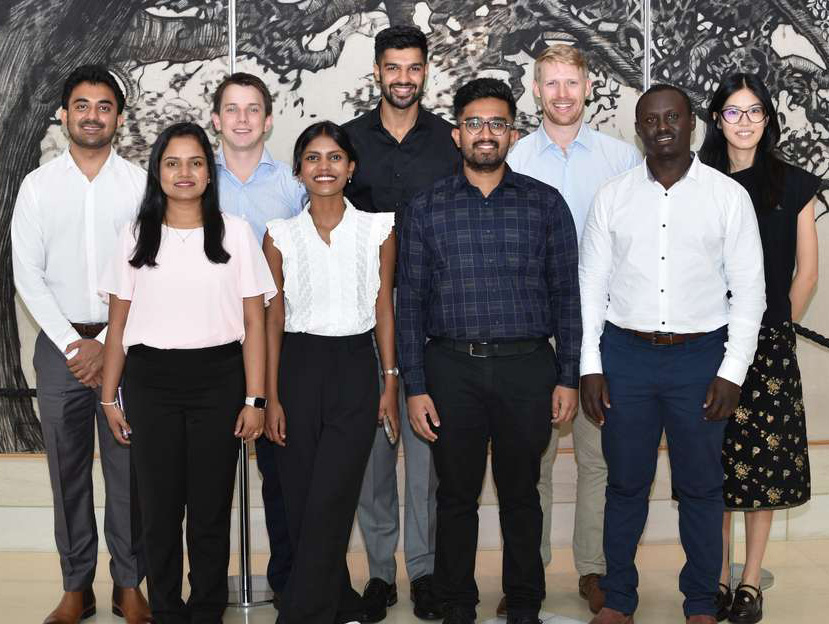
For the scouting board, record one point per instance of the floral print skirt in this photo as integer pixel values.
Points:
(765, 454)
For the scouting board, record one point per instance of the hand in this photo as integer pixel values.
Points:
(721, 400)
(275, 429)
(88, 362)
(249, 423)
(565, 404)
(594, 396)
(421, 411)
(388, 409)
(117, 424)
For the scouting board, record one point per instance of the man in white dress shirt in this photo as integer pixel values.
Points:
(64, 229)
(570, 156)
(665, 346)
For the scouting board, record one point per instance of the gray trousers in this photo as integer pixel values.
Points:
(68, 413)
(588, 532)
(378, 512)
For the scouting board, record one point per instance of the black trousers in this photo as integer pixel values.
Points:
(182, 405)
(505, 401)
(329, 389)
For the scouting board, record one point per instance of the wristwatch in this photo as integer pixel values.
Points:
(392, 371)
(257, 402)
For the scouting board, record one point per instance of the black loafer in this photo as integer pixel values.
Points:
(426, 607)
(457, 615)
(747, 607)
(377, 597)
(523, 619)
(724, 600)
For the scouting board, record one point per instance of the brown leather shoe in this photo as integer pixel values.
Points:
(130, 604)
(501, 611)
(73, 607)
(611, 616)
(589, 590)
(701, 619)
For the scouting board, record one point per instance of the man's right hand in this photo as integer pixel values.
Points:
(88, 362)
(421, 411)
(594, 396)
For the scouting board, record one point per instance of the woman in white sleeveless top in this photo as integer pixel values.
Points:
(334, 268)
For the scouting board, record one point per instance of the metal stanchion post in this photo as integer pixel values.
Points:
(766, 577)
(245, 589)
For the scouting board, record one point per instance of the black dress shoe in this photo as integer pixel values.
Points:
(377, 596)
(457, 615)
(747, 607)
(724, 600)
(426, 607)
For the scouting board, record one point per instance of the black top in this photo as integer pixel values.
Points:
(778, 233)
(389, 173)
(497, 268)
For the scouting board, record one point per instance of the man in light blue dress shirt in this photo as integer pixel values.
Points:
(254, 186)
(567, 154)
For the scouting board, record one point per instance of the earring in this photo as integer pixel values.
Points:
(349, 179)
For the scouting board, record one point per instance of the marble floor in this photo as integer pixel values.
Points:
(30, 586)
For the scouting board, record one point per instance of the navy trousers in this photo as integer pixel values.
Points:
(279, 563)
(654, 388)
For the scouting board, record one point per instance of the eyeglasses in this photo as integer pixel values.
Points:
(474, 125)
(734, 115)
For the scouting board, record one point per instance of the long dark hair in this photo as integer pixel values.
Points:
(714, 150)
(323, 128)
(154, 205)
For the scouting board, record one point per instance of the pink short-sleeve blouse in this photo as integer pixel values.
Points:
(186, 301)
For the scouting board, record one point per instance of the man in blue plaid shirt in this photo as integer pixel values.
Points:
(487, 273)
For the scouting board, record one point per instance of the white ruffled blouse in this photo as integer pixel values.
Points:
(331, 290)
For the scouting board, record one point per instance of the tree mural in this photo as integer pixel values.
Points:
(186, 43)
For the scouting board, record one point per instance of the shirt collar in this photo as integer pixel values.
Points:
(692, 172)
(69, 162)
(377, 121)
(264, 159)
(511, 178)
(583, 138)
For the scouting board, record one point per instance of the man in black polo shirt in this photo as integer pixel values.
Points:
(403, 149)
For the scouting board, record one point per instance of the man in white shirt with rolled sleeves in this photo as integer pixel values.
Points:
(570, 156)
(671, 276)
(64, 229)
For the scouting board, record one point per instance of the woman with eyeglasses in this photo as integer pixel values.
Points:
(765, 454)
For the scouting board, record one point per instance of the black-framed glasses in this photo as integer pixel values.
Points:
(734, 115)
(474, 125)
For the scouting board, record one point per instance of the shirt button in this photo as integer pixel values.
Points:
(666, 194)
(396, 175)
(661, 290)
(663, 257)
(663, 322)
(663, 225)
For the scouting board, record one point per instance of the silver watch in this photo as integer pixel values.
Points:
(257, 402)
(392, 371)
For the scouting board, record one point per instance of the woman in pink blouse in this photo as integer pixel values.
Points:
(335, 267)
(187, 291)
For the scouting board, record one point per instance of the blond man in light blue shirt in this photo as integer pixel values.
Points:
(569, 155)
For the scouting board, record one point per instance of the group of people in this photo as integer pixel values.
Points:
(229, 296)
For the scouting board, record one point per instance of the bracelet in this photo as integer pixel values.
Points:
(109, 402)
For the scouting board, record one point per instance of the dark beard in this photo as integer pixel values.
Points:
(414, 98)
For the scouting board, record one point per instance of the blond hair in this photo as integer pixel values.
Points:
(561, 53)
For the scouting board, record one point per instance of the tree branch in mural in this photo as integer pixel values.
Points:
(697, 43)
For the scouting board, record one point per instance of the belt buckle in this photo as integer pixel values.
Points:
(656, 335)
(471, 350)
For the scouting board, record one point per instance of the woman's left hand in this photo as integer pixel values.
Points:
(249, 423)
(388, 409)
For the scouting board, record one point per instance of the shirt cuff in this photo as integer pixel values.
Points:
(414, 381)
(102, 337)
(733, 370)
(569, 375)
(591, 364)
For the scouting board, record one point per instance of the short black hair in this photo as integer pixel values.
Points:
(243, 80)
(664, 87)
(322, 128)
(399, 38)
(481, 88)
(93, 74)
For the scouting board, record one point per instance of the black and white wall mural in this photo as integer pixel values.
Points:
(316, 56)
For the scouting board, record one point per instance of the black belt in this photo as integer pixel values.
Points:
(490, 349)
(89, 330)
